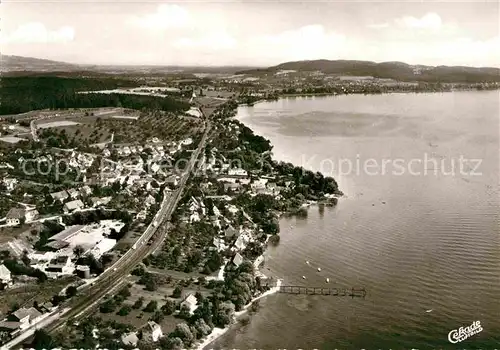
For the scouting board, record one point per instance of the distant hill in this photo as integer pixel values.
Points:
(19, 65)
(393, 70)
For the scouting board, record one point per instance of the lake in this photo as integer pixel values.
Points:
(418, 227)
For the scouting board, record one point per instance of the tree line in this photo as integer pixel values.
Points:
(23, 94)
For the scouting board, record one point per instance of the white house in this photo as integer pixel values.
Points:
(219, 244)
(259, 184)
(187, 141)
(26, 317)
(237, 260)
(191, 302)
(150, 200)
(241, 242)
(130, 339)
(194, 217)
(73, 205)
(152, 332)
(237, 172)
(73, 193)
(171, 180)
(60, 196)
(216, 211)
(5, 275)
(30, 215)
(10, 184)
(85, 190)
(60, 266)
(141, 215)
(102, 247)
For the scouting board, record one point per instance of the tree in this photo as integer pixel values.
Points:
(185, 312)
(177, 293)
(151, 285)
(158, 316)
(167, 343)
(169, 307)
(78, 250)
(139, 271)
(58, 299)
(43, 340)
(71, 291)
(124, 310)
(199, 298)
(183, 332)
(224, 314)
(125, 292)
(138, 303)
(202, 329)
(152, 306)
(108, 306)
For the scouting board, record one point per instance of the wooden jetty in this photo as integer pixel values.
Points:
(339, 292)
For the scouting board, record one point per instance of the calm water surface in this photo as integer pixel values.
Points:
(419, 240)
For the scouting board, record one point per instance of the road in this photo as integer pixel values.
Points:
(89, 296)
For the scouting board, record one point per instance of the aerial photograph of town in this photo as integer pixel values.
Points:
(249, 175)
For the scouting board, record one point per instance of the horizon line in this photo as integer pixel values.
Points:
(233, 65)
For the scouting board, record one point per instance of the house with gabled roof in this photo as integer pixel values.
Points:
(73, 205)
(14, 216)
(191, 302)
(5, 275)
(60, 196)
(237, 259)
(26, 317)
(73, 193)
(152, 332)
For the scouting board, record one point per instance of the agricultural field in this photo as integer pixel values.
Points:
(135, 303)
(165, 127)
(86, 131)
(91, 130)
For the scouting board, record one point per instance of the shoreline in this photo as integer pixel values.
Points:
(219, 332)
(216, 332)
(335, 94)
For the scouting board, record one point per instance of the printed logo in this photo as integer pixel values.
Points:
(459, 335)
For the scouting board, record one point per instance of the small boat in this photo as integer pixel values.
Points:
(327, 280)
(319, 269)
(303, 277)
(430, 310)
(307, 262)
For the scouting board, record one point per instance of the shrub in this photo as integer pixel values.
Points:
(151, 307)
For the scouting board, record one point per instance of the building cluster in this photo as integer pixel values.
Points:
(230, 182)
(64, 248)
(24, 318)
(139, 170)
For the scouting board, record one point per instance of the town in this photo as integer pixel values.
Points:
(85, 189)
(135, 210)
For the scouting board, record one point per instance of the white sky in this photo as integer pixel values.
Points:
(255, 33)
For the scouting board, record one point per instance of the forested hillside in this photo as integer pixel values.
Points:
(26, 93)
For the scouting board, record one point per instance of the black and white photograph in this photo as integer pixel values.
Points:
(249, 174)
